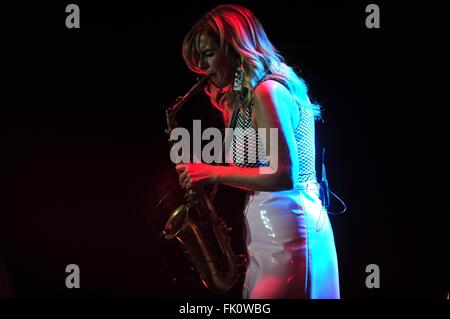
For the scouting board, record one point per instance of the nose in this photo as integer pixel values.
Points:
(202, 64)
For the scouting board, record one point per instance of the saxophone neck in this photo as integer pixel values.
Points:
(172, 110)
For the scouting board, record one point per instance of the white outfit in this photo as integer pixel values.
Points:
(290, 241)
(290, 246)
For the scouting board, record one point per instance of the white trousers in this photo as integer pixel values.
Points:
(290, 246)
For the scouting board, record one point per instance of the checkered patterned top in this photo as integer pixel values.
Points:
(248, 151)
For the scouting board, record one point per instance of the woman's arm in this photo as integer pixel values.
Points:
(272, 109)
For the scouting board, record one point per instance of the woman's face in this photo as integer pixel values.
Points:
(213, 61)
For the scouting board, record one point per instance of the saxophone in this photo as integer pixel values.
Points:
(197, 226)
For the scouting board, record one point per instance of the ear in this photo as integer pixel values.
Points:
(235, 57)
(240, 60)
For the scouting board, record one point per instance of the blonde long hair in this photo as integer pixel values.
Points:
(237, 30)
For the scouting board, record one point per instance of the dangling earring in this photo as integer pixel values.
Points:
(238, 78)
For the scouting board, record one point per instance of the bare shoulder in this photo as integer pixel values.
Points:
(271, 89)
(273, 100)
(272, 96)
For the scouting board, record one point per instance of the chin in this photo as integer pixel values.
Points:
(217, 86)
(221, 86)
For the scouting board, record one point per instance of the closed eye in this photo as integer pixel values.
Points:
(208, 53)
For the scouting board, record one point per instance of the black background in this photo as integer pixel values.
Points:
(84, 158)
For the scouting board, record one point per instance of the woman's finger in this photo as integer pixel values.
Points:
(182, 178)
(180, 168)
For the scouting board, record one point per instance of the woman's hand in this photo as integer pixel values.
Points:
(195, 174)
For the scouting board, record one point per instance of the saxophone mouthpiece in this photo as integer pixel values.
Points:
(197, 87)
(201, 78)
